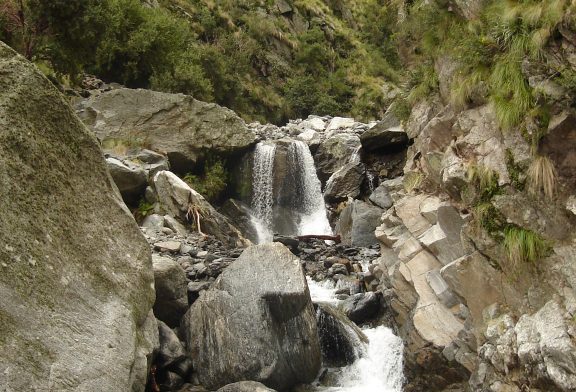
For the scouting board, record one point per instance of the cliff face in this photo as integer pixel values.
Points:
(480, 240)
(76, 275)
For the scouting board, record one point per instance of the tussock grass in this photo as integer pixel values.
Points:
(524, 246)
(542, 177)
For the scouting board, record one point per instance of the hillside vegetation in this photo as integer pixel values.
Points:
(272, 60)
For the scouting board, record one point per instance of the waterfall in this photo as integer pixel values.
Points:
(262, 192)
(313, 219)
(380, 369)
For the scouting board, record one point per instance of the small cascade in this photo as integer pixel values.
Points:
(262, 195)
(310, 202)
(371, 177)
(380, 366)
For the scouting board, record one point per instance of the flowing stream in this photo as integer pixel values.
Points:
(380, 368)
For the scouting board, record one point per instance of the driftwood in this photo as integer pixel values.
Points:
(335, 238)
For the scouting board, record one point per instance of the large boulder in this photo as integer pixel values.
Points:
(358, 222)
(171, 290)
(76, 275)
(345, 182)
(178, 200)
(335, 152)
(245, 386)
(131, 180)
(179, 125)
(256, 323)
(386, 135)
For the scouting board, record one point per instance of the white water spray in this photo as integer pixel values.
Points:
(262, 192)
(314, 218)
(380, 369)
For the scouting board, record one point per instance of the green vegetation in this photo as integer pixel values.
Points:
(212, 182)
(244, 55)
(524, 246)
(485, 180)
(145, 208)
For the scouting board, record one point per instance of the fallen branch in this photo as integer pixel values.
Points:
(335, 238)
(193, 213)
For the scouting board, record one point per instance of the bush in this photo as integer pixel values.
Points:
(212, 182)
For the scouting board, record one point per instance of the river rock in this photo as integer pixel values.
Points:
(171, 290)
(177, 124)
(341, 340)
(358, 222)
(172, 361)
(381, 197)
(130, 179)
(333, 153)
(361, 307)
(76, 276)
(176, 197)
(345, 183)
(245, 386)
(256, 322)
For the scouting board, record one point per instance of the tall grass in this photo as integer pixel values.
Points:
(542, 177)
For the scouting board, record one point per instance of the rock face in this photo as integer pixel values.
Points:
(345, 182)
(176, 124)
(76, 274)
(334, 153)
(256, 323)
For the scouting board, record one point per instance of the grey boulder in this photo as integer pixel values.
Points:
(381, 197)
(345, 182)
(76, 276)
(358, 222)
(256, 323)
(386, 135)
(361, 307)
(245, 386)
(178, 200)
(130, 179)
(184, 128)
(171, 290)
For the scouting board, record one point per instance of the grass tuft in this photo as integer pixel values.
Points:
(542, 177)
(524, 246)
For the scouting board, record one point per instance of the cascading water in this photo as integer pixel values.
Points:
(313, 219)
(286, 192)
(380, 368)
(262, 193)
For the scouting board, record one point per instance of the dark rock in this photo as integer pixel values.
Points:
(384, 136)
(260, 313)
(291, 242)
(361, 307)
(340, 339)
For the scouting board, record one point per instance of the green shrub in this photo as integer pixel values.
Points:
(212, 182)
